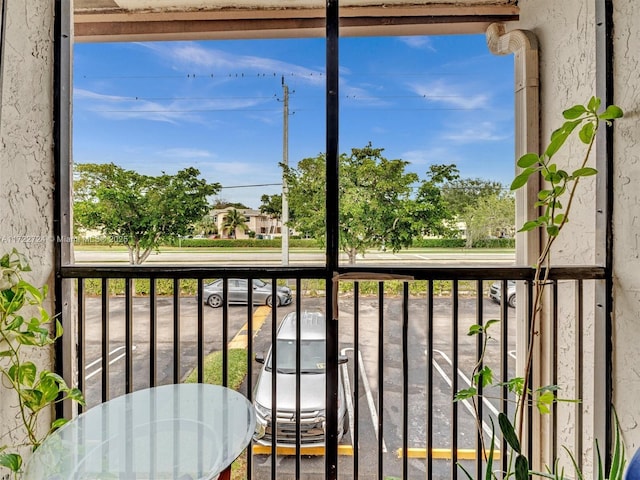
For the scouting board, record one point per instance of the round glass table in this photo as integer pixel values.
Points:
(183, 431)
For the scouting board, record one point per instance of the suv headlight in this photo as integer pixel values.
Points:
(262, 412)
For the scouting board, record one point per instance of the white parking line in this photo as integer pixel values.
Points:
(99, 360)
(347, 389)
(466, 403)
(369, 395)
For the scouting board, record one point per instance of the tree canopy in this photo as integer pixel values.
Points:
(490, 216)
(234, 220)
(378, 208)
(461, 193)
(139, 211)
(271, 205)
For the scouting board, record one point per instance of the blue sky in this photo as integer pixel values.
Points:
(217, 105)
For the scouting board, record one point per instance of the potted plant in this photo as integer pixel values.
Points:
(555, 201)
(25, 327)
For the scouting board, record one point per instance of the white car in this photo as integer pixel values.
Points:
(495, 292)
(312, 385)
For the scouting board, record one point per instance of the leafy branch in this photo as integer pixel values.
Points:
(560, 183)
(25, 325)
(554, 202)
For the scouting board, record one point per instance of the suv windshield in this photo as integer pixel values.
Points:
(312, 356)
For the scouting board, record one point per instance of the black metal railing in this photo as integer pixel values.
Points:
(405, 340)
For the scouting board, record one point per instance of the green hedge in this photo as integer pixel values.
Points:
(439, 243)
(244, 243)
(495, 243)
(306, 243)
(461, 243)
(311, 287)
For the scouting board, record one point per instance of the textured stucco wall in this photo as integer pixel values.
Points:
(566, 32)
(627, 221)
(26, 158)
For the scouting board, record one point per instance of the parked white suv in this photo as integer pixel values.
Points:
(312, 385)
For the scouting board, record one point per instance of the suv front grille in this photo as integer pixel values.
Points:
(311, 428)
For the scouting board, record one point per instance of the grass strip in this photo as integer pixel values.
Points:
(236, 372)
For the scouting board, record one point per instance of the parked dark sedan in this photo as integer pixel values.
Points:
(237, 290)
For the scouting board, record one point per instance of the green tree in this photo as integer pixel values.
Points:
(377, 205)
(490, 216)
(430, 211)
(234, 220)
(462, 193)
(271, 205)
(205, 226)
(221, 203)
(139, 211)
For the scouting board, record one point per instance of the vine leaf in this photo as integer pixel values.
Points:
(508, 432)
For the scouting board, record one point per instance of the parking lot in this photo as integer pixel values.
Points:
(362, 366)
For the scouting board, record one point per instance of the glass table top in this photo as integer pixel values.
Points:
(183, 431)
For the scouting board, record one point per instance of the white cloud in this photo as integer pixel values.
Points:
(186, 153)
(454, 96)
(218, 62)
(423, 43)
(118, 107)
(481, 132)
(429, 156)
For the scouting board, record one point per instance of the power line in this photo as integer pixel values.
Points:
(255, 185)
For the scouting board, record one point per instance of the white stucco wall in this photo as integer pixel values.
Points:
(626, 272)
(566, 33)
(26, 154)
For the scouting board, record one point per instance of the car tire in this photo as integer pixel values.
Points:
(512, 301)
(269, 301)
(214, 301)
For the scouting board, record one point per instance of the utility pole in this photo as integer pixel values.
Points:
(285, 189)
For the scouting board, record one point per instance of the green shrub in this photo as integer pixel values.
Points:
(439, 242)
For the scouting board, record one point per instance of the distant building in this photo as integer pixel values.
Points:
(264, 226)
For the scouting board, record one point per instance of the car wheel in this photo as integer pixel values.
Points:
(269, 301)
(214, 301)
(512, 301)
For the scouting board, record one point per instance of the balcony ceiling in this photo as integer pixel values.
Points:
(129, 20)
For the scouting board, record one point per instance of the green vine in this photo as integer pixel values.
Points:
(560, 185)
(25, 325)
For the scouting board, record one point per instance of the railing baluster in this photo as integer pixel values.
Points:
(250, 355)
(405, 379)
(176, 330)
(529, 417)
(554, 366)
(105, 340)
(454, 379)
(200, 327)
(128, 335)
(479, 343)
(274, 389)
(504, 362)
(225, 332)
(82, 341)
(579, 346)
(355, 432)
(153, 333)
(380, 379)
(298, 393)
(429, 379)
